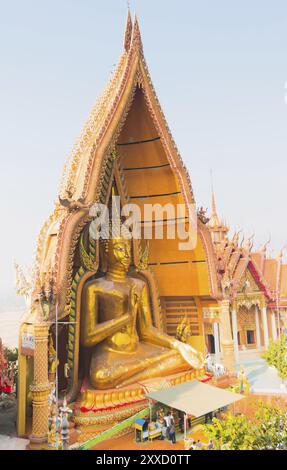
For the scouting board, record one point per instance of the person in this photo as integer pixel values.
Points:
(166, 424)
(192, 445)
(145, 424)
(160, 414)
(172, 433)
(170, 418)
(242, 380)
(199, 445)
(169, 421)
(210, 445)
(138, 435)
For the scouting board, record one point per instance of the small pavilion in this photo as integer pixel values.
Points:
(195, 399)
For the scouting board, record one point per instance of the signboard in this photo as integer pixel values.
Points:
(210, 313)
(27, 344)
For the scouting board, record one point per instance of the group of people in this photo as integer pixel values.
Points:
(166, 426)
(198, 445)
(166, 423)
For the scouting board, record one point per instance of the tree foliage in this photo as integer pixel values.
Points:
(276, 355)
(268, 431)
(12, 354)
(229, 433)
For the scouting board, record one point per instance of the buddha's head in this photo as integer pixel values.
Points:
(119, 253)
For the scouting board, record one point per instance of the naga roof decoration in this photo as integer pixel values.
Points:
(234, 259)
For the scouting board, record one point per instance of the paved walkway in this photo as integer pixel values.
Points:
(262, 378)
(8, 419)
(12, 443)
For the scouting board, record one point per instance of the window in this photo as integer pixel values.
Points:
(250, 337)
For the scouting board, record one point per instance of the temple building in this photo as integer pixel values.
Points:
(255, 287)
(109, 320)
(68, 336)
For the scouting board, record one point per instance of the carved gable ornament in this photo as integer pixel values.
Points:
(247, 284)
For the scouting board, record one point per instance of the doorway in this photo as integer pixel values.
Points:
(211, 344)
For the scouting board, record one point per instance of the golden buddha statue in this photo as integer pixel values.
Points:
(117, 325)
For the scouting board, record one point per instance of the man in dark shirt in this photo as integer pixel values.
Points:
(172, 433)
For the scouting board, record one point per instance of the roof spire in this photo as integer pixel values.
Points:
(218, 229)
(137, 40)
(214, 220)
(213, 196)
(128, 31)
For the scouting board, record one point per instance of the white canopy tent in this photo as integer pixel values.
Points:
(195, 398)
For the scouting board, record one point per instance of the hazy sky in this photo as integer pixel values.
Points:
(219, 69)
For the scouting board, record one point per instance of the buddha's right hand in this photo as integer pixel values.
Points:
(190, 355)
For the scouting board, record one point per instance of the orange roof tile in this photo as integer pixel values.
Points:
(270, 273)
(283, 283)
(258, 259)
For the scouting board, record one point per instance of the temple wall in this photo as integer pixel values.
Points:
(181, 276)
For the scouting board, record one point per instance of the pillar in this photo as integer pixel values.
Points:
(21, 388)
(273, 325)
(235, 333)
(279, 323)
(257, 326)
(216, 341)
(265, 327)
(41, 387)
(227, 345)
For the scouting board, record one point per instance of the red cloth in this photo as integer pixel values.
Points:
(6, 388)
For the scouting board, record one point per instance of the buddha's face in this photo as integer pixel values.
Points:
(119, 253)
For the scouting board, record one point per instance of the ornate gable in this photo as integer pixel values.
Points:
(87, 175)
